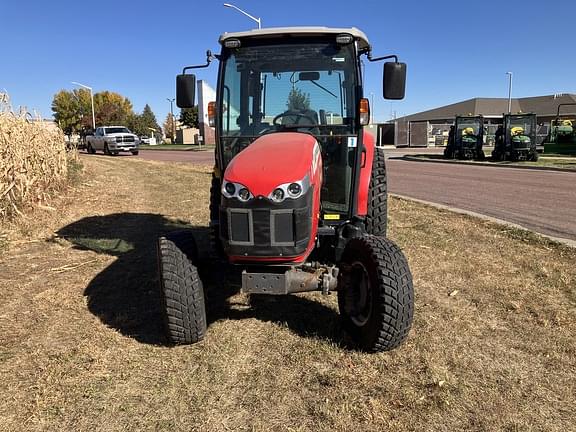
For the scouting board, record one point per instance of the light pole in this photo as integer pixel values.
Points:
(172, 118)
(371, 108)
(245, 13)
(509, 91)
(91, 100)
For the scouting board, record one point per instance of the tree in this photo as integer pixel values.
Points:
(298, 100)
(72, 110)
(112, 109)
(189, 117)
(141, 124)
(169, 126)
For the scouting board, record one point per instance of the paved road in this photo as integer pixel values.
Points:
(544, 201)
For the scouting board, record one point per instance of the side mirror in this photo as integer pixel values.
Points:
(394, 80)
(185, 90)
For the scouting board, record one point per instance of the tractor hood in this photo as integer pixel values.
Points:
(275, 159)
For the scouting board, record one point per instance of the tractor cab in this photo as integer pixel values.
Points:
(466, 138)
(298, 199)
(516, 138)
(562, 136)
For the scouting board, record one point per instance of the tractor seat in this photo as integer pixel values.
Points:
(295, 117)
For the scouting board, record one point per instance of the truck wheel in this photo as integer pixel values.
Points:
(106, 150)
(90, 149)
(135, 153)
(377, 216)
(375, 293)
(534, 157)
(181, 289)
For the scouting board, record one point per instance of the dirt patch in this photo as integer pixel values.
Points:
(82, 347)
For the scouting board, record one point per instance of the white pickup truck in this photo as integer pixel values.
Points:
(112, 140)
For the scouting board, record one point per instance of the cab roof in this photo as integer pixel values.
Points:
(269, 33)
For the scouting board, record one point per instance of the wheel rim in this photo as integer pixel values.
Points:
(359, 298)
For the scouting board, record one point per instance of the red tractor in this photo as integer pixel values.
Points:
(298, 199)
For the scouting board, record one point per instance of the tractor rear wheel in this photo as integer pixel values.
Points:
(377, 216)
(375, 293)
(181, 288)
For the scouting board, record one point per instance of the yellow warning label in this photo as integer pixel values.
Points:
(331, 217)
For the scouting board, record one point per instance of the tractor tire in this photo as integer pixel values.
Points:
(181, 289)
(377, 216)
(215, 242)
(375, 293)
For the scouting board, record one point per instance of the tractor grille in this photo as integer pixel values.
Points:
(265, 229)
(128, 138)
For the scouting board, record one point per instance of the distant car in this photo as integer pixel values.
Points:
(145, 140)
(112, 140)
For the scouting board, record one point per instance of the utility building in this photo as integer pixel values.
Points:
(430, 128)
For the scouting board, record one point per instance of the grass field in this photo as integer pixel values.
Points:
(82, 347)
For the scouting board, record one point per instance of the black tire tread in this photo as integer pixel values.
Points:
(377, 215)
(395, 296)
(182, 290)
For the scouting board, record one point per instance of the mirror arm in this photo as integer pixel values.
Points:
(370, 58)
(209, 58)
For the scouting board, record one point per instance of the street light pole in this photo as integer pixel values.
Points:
(91, 100)
(258, 20)
(509, 91)
(172, 117)
(371, 108)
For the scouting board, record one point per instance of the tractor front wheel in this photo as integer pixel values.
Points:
(181, 289)
(375, 293)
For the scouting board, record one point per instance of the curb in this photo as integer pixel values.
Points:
(564, 241)
(457, 162)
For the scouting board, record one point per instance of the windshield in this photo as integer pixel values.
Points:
(307, 87)
(113, 130)
(521, 125)
(468, 127)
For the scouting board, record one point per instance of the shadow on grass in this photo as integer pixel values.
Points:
(126, 295)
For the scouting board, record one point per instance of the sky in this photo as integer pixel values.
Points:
(455, 50)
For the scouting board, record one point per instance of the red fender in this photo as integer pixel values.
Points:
(365, 173)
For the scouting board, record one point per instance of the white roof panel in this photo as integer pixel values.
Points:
(298, 31)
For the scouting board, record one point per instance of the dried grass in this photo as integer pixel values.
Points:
(33, 162)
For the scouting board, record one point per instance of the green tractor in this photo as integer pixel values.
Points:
(466, 138)
(516, 139)
(562, 136)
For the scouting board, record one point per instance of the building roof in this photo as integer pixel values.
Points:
(298, 31)
(543, 106)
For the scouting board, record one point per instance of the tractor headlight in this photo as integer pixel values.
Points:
(230, 189)
(235, 190)
(292, 190)
(277, 195)
(244, 194)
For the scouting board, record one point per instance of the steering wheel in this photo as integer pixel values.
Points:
(296, 114)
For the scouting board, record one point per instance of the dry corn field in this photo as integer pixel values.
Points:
(82, 346)
(33, 163)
